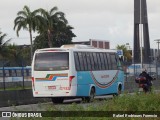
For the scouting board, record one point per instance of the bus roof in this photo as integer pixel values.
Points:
(76, 47)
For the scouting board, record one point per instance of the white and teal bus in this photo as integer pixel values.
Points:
(76, 71)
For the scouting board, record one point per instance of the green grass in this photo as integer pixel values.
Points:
(126, 102)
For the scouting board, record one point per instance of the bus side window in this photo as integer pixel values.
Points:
(113, 61)
(81, 61)
(85, 61)
(77, 65)
(99, 61)
(89, 62)
(95, 61)
(118, 62)
(102, 61)
(106, 61)
(92, 61)
(109, 61)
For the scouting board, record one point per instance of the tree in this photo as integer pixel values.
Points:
(54, 30)
(63, 34)
(3, 45)
(126, 52)
(14, 56)
(41, 41)
(50, 21)
(27, 20)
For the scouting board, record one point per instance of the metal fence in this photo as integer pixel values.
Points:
(14, 77)
(131, 86)
(20, 77)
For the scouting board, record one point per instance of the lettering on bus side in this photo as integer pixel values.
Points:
(105, 76)
(51, 87)
(65, 88)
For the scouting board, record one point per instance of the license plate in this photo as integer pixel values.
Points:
(51, 87)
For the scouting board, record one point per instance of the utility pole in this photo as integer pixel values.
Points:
(141, 34)
(157, 57)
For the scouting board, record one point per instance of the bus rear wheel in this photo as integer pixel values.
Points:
(57, 100)
(91, 96)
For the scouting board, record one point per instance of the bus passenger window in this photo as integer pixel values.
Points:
(99, 61)
(92, 61)
(106, 61)
(81, 61)
(77, 65)
(88, 62)
(85, 61)
(102, 61)
(118, 62)
(109, 61)
(113, 61)
(95, 61)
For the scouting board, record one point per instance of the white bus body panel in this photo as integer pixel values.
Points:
(54, 83)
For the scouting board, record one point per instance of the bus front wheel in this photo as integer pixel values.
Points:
(119, 91)
(57, 100)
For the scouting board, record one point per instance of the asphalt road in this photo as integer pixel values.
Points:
(44, 106)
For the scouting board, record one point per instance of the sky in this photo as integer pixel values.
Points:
(110, 20)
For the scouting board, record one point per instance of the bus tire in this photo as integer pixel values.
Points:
(119, 90)
(57, 99)
(91, 96)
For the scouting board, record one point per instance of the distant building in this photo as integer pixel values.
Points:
(104, 44)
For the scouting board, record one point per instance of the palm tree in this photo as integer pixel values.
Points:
(27, 20)
(3, 49)
(50, 21)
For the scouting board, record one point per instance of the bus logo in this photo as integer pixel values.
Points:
(52, 77)
(6, 114)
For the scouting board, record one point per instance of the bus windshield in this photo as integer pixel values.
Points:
(51, 61)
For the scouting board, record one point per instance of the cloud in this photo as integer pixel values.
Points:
(92, 19)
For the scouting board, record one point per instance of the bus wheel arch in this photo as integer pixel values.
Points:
(119, 89)
(92, 93)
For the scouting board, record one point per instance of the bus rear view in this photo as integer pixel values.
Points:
(50, 74)
(77, 71)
